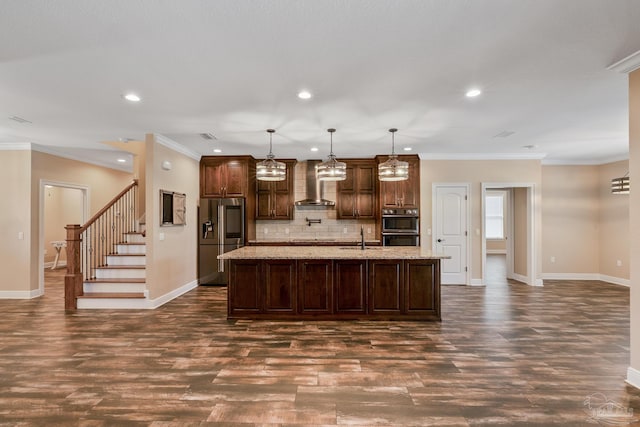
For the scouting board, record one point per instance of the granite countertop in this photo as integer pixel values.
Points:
(331, 252)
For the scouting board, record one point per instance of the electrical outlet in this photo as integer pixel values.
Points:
(428, 232)
(344, 230)
(286, 230)
(160, 236)
(266, 230)
(20, 235)
(619, 263)
(369, 230)
(553, 259)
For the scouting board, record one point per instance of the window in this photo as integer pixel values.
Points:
(494, 216)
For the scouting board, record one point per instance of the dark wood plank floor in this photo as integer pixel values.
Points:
(504, 354)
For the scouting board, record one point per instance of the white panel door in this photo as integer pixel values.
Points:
(451, 232)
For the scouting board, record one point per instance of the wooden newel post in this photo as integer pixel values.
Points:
(73, 278)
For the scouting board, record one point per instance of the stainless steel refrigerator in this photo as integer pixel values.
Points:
(221, 230)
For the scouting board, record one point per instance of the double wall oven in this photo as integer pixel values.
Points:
(400, 227)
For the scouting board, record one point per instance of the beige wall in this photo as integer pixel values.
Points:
(570, 214)
(520, 235)
(634, 214)
(172, 262)
(477, 172)
(15, 217)
(614, 222)
(62, 206)
(25, 170)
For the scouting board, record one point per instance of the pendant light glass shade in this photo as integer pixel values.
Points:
(331, 169)
(270, 169)
(393, 169)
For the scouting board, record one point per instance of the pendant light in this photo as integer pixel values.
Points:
(393, 169)
(270, 169)
(331, 169)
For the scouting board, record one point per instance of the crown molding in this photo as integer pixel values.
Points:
(556, 162)
(482, 156)
(15, 146)
(626, 65)
(173, 145)
(54, 152)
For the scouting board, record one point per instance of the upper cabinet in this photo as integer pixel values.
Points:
(275, 198)
(356, 195)
(222, 176)
(402, 193)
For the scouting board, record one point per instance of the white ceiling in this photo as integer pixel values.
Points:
(233, 68)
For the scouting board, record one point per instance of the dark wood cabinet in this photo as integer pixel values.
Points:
(356, 195)
(245, 296)
(422, 281)
(386, 287)
(274, 199)
(350, 286)
(280, 286)
(315, 288)
(222, 176)
(402, 193)
(393, 289)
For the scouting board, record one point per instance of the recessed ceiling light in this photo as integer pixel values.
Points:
(217, 150)
(529, 147)
(122, 161)
(472, 93)
(304, 94)
(407, 148)
(314, 149)
(131, 97)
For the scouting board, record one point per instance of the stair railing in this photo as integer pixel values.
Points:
(88, 245)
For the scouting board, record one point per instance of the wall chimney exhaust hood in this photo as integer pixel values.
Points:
(315, 188)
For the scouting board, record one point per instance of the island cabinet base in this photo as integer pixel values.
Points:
(341, 289)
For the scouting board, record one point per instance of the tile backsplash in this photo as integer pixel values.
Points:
(329, 228)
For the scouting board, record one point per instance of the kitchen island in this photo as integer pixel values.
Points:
(333, 283)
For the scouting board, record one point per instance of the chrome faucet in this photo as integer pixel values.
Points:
(362, 245)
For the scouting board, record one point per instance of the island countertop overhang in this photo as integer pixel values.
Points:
(331, 252)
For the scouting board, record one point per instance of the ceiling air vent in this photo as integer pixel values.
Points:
(504, 134)
(19, 119)
(208, 136)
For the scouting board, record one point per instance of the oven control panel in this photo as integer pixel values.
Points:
(400, 212)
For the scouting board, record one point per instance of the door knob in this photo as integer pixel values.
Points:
(440, 240)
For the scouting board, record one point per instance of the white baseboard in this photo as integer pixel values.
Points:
(520, 278)
(496, 251)
(155, 303)
(476, 282)
(633, 377)
(135, 303)
(587, 276)
(615, 280)
(34, 293)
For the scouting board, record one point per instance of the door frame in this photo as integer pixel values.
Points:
(467, 214)
(530, 278)
(41, 200)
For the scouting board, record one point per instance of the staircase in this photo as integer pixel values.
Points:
(106, 257)
(120, 282)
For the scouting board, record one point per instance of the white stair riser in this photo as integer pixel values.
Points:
(114, 303)
(126, 260)
(114, 287)
(134, 238)
(120, 273)
(131, 249)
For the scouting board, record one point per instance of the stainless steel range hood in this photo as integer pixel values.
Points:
(315, 188)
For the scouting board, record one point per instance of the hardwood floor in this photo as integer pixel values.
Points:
(504, 354)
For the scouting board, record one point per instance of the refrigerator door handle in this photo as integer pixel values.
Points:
(221, 232)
